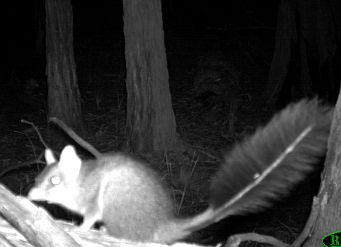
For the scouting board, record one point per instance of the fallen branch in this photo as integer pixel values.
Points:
(26, 225)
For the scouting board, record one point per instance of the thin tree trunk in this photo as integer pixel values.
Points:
(285, 36)
(63, 94)
(150, 119)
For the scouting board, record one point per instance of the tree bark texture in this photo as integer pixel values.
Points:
(328, 216)
(285, 36)
(63, 93)
(150, 119)
(305, 44)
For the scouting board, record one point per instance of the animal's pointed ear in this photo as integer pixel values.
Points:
(69, 162)
(49, 157)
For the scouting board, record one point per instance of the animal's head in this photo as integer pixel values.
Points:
(57, 183)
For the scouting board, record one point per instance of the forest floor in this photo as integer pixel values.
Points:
(200, 111)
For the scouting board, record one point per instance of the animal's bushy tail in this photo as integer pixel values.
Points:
(267, 164)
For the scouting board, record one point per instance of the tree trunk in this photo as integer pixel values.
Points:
(285, 36)
(305, 42)
(329, 198)
(317, 30)
(150, 119)
(63, 93)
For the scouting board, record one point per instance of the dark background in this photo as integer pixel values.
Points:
(242, 32)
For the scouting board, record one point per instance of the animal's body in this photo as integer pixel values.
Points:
(132, 202)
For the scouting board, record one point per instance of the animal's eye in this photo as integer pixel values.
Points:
(55, 180)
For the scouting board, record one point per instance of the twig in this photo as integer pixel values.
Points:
(36, 129)
(81, 142)
(235, 240)
(187, 183)
(29, 139)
